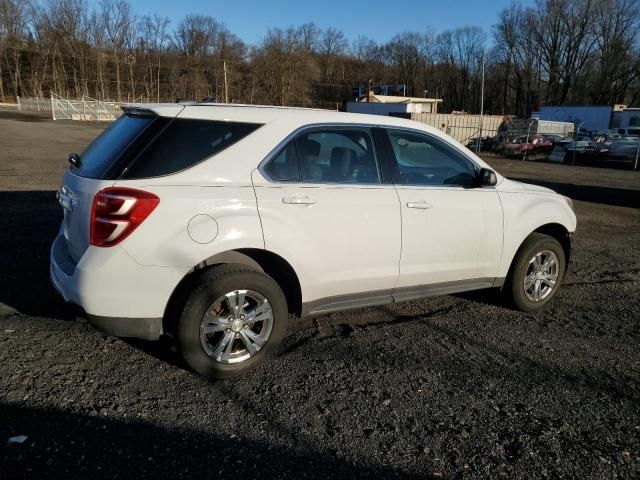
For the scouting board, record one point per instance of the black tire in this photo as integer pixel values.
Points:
(514, 285)
(211, 285)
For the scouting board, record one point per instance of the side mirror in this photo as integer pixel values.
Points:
(486, 178)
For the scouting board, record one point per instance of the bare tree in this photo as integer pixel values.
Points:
(616, 29)
(15, 18)
(332, 45)
(460, 53)
(153, 31)
(118, 21)
(280, 68)
(403, 52)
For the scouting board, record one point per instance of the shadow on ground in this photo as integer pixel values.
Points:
(29, 221)
(61, 444)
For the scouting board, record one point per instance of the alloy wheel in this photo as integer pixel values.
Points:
(236, 326)
(541, 276)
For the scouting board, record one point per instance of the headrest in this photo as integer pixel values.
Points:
(308, 147)
(342, 156)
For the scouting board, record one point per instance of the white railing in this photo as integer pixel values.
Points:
(34, 104)
(87, 109)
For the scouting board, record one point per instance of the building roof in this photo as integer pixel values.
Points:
(394, 99)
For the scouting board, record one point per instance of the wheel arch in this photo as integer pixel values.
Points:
(561, 234)
(554, 230)
(261, 260)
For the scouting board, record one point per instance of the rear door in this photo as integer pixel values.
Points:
(324, 208)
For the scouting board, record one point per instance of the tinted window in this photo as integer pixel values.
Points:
(423, 160)
(284, 166)
(337, 155)
(101, 154)
(183, 143)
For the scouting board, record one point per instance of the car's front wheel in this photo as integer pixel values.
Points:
(536, 273)
(232, 322)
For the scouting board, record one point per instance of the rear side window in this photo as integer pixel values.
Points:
(101, 154)
(184, 143)
(342, 155)
(284, 166)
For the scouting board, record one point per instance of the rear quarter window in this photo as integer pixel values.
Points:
(182, 144)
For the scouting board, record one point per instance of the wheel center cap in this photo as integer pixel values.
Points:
(237, 325)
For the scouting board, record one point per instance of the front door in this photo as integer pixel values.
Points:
(451, 231)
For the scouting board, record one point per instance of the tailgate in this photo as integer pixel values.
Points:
(76, 197)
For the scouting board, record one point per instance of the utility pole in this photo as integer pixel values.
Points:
(481, 107)
(226, 85)
(158, 78)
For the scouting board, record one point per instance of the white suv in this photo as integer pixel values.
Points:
(214, 223)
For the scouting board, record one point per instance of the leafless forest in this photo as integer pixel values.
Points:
(557, 52)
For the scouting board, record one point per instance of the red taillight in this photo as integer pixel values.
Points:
(116, 212)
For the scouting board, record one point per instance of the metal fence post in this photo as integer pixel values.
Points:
(528, 133)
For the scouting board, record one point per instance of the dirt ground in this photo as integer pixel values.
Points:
(448, 387)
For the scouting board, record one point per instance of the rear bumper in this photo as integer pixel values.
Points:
(119, 296)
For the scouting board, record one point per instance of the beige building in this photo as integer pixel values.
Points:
(392, 105)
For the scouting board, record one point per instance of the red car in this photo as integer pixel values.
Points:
(536, 144)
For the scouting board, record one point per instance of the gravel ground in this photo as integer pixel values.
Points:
(449, 387)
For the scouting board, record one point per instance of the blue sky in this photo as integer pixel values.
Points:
(376, 19)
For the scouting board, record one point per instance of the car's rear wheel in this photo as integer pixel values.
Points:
(232, 322)
(536, 272)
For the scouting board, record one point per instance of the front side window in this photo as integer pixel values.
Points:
(340, 155)
(422, 160)
(184, 143)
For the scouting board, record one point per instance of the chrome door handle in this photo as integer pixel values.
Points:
(298, 201)
(422, 205)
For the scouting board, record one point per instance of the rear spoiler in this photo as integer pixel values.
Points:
(152, 109)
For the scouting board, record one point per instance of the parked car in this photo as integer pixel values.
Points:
(485, 144)
(528, 145)
(581, 143)
(214, 223)
(553, 138)
(625, 151)
(629, 131)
